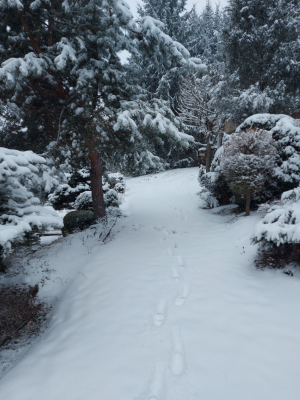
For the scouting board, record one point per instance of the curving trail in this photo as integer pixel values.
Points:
(171, 309)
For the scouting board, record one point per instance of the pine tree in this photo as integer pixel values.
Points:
(203, 33)
(23, 176)
(61, 59)
(172, 13)
(260, 39)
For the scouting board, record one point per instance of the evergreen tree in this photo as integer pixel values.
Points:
(203, 33)
(23, 176)
(172, 13)
(156, 76)
(261, 43)
(61, 59)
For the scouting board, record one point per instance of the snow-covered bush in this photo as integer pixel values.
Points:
(66, 193)
(117, 182)
(76, 192)
(282, 221)
(247, 161)
(22, 175)
(279, 232)
(285, 131)
(285, 175)
(84, 200)
(214, 190)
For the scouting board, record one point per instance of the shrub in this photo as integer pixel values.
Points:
(286, 256)
(79, 219)
(279, 232)
(23, 175)
(247, 161)
(285, 175)
(214, 188)
(76, 193)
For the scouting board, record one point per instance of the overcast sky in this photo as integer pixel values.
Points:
(200, 3)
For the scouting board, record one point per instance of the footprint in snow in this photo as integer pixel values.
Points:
(159, 317)
(170, 251)
(175, 274)
(158, 381)
(180, 262)
(177, 361)
(184, 294)
(157, 229)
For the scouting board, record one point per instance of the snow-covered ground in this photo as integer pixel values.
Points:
(170, 309)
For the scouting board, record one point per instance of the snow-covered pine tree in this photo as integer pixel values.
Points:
(62, 57)
(203, 37)
(260, 45)
(172, 13)
(247, 161)
(22, 176)
(174, 18)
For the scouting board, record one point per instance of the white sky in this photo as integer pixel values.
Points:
(200, 3)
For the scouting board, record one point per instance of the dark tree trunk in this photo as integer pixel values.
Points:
(96, 183)
(220, 139)
(209, 154)
(248, 198)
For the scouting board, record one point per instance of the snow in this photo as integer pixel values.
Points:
(48, 239)
(170, 309)
(282, 222)
(21, 210)
(31, 64)
(67, 53)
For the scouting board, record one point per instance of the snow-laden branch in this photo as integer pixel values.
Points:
(21, 174)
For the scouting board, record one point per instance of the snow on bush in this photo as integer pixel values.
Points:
(285, 175)
(76, 193)
(285, 131)
(84, 200)
(214, 190)
(282, 221)
(247, 161)
(22, 174)
(66, 193)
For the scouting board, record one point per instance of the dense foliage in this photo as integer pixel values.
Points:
(285, 175)
(247, 162)
(23, 178)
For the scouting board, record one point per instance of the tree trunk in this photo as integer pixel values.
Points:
(96, 183)
(209, 154)
(248, 198)
(220, 139)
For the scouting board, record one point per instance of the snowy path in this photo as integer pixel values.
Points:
(171, 309)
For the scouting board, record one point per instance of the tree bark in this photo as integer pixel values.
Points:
(220, 139)
(248, 198)
(209, 154)
(96, 183)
